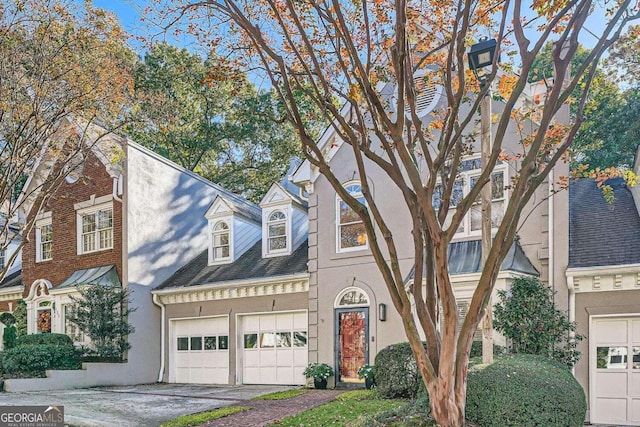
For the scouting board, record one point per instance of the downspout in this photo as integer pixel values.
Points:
(157, 302)
(551, 231)
(117, 186)
(572, 311)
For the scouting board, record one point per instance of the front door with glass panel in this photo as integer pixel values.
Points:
(352, 332)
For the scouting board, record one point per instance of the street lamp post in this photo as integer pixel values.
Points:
(482, 55)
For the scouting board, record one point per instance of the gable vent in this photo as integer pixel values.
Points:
(427, 95)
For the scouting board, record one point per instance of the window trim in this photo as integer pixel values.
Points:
(212, 225)
(465, 177)
(94, 210)
(338, 224)
(267, 252)
(38, 226)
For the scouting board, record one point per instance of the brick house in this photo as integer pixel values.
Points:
(124, 217)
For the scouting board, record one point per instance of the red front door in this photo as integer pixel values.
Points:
(352, 343)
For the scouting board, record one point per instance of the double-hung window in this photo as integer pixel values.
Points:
(277, 232)
(351, 234)
(2, 258)
(95, 229)
(221, 241)
(44, 241)
(467, 177)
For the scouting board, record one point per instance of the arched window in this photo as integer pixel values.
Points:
(221, 239)
(352, 297)
(277, 232)
(350, 231)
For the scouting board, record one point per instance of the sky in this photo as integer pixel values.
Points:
(129, 13)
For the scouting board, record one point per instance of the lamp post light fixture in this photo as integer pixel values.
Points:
(482, 55)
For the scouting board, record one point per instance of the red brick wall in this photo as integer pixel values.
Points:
(4, 305)
(96, 181)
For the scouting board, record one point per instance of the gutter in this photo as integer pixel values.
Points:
(232, 284)
(156, 301)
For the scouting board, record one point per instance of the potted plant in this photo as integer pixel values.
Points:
(367, 372)
(319, 372)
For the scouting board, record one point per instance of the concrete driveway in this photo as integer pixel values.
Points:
(137, 406)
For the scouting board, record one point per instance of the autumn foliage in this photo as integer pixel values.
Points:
(365, 65)
(62, 68)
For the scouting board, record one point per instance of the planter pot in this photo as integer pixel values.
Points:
(369, 383)
(320, 383)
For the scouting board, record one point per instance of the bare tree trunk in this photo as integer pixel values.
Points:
(446, 407)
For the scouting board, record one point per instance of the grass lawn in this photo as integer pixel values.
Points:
(281, 395)
(203, 417)
(348, 407)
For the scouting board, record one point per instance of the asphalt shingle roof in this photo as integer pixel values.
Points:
(250, 265)
(602, 234)
(13, 279)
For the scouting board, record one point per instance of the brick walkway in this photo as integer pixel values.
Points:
(265, 412)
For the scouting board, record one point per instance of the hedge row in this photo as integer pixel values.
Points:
(36, 353)
(516, 390)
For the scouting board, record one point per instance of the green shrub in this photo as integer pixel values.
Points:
(527, 315)
(397, 373)
(37, 358)
(52, 339)
(7, 318)
(9, 337)
(476, 349)
(524, 390)
(20, 314)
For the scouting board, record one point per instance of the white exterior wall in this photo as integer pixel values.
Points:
(164, 228)
(9, 251)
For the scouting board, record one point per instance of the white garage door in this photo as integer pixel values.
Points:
(615, 371)
(274, 348)
(200, 351)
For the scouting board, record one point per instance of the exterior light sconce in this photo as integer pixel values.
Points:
(382, 312)
(482, 55)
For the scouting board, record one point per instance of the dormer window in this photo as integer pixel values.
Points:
(277, 232)
(221, 238)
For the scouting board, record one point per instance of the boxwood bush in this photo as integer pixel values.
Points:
(524, 390)
(53, 339)
(397, 373)
(26, 358)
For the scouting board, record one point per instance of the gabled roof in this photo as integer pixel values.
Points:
(11, 280)
(287, 179)
(251, 265)
(466, 257)
(602, 234)
(223, 205)
(278, 194)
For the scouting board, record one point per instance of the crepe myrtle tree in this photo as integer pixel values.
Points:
(63, 68)
(353, 52)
